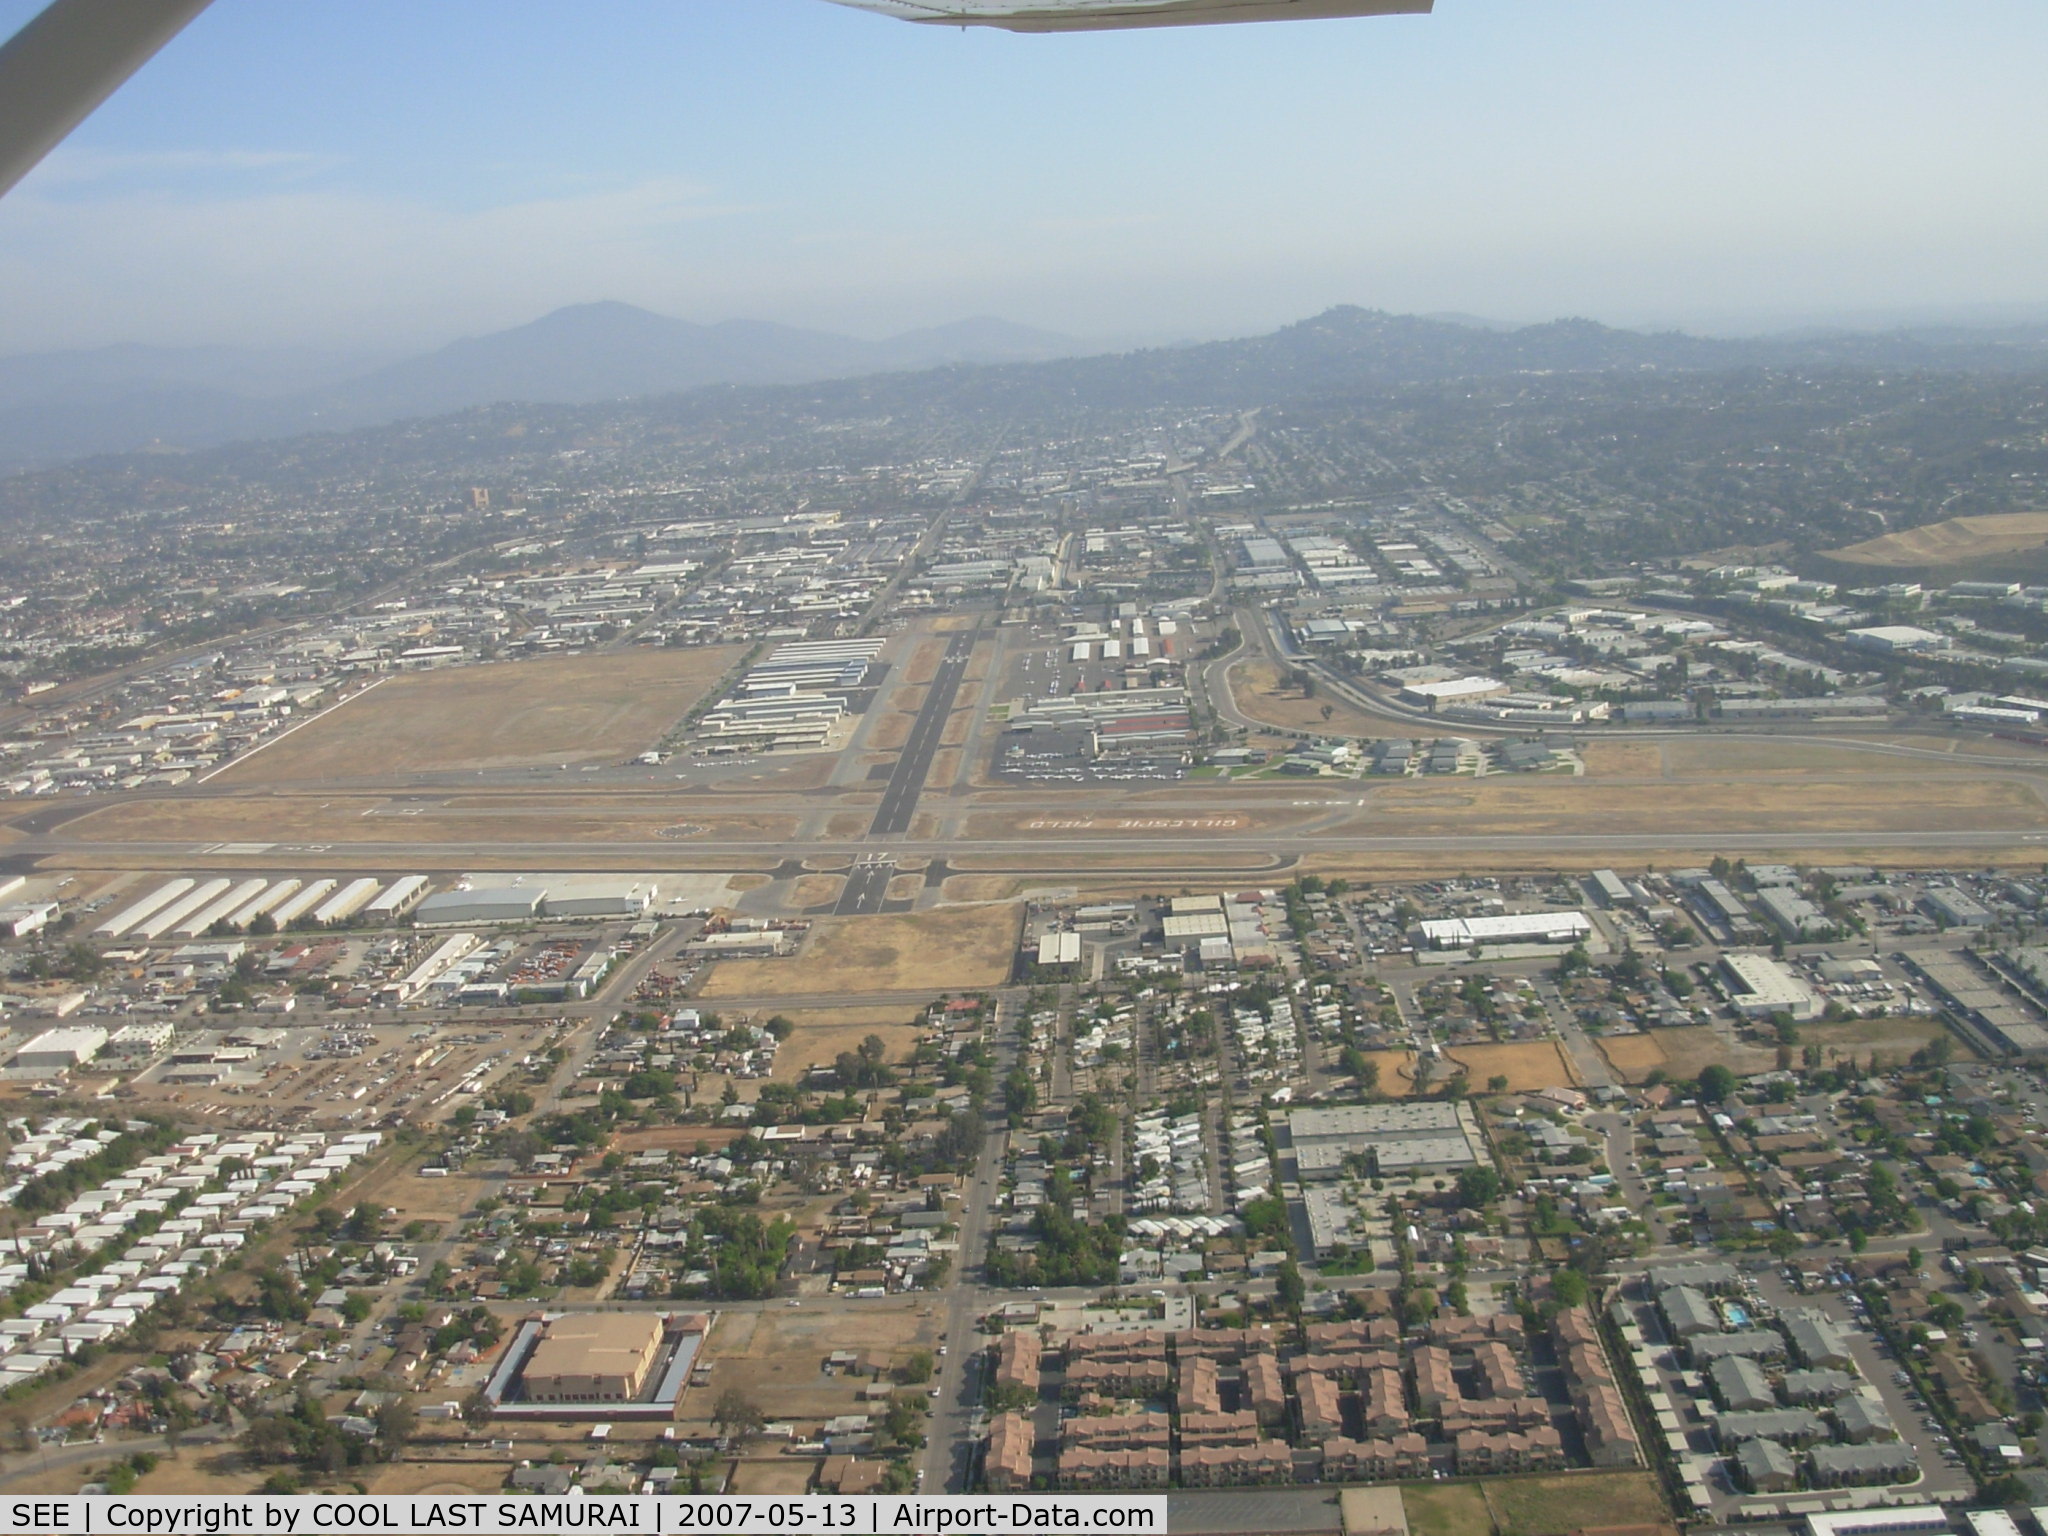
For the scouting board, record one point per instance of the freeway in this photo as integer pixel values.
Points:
(906, 783)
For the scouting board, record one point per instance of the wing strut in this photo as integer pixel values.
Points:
(72, 57)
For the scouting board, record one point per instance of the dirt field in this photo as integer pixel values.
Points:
(1633, 1057)
(1959, 541)
(675, 1138)
(778, 1355)
(1255, 686)
(952, 947)
(564, 709)
(777, 1475)
(432, 1477)
(439, 1201)
(1526, 1064)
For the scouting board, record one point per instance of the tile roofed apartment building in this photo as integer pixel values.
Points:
(1007, 1466)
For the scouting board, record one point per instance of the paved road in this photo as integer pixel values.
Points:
(899, 800)
(950, 1450)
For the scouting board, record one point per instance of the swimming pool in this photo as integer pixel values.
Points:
(1738, 1317)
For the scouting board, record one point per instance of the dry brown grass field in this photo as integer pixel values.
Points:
(512, 714)
(1423, 865)
(815, 890)
(376, 819)
(1397, 1072)
(1557, 1506)
(818, 1044)
(1958, 541)
(951, 947)
(1634, 1057)
(1688, 1051)
(778, 1356)
(1533, 807)
(1623, 759)
(891, 731)
(1446, 1509)
(1762, 755)
(1526, 1064)
(922, 665)
(1256, 688)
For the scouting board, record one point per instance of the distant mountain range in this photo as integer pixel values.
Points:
(60, 406)
(65, 405)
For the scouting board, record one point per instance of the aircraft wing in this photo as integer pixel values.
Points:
(75, 54)
(1101, 15)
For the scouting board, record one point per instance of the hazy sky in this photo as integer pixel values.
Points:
(393, 173)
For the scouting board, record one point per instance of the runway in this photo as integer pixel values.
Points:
(1272, 849)
(867, 887)
(899, 800)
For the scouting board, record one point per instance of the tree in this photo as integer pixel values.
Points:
(1369, 1076)
(478, 1410)
(1289, 1289)
(1478, 1188)
(396, 1422)
(268, 1439)
(916, 1368)
(902, 1422)
(1498, 1083)
(1264, 1217)
(735, 1415)
(1570, 1288)
(1715, 1084)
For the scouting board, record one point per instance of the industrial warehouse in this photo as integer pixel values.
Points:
(1429, 1136)
(784, 704)
(631, 1365)
(194, 907)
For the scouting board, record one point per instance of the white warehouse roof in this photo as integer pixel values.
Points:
(1511, 928)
